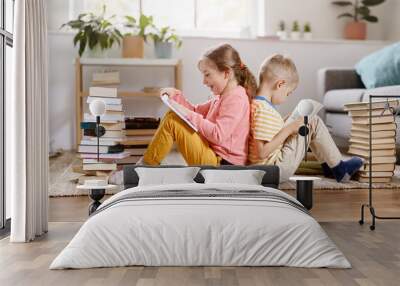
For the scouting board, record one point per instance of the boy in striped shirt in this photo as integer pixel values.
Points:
(275, 143)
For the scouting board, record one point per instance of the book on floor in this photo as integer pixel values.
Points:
(364, 152)
(376, 174)
(381, 160)
(374, 112)
(374, 141)
(374, 120)
(82, 179)
(102, 142)
(393, 103)
(100, 166)
(102, 149)
(375, 180)
(108, 117)
(120, 155)
(107, 100)
(141, 123)
(375, 134)
(365, 146)
(98, 91)
(376, 127)
(107, 134)
(108, 126)
(378, 167)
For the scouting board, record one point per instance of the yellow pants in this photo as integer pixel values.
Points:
(191, 145)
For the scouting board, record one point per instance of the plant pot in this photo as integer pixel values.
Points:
(307, 36)
(132, 47)
(96, 52)
(295, 35)
(163, 50)
(282, 35)
(355, 31)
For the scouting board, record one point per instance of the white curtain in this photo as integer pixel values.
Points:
(27, 124)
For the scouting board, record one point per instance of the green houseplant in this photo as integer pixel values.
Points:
(138, 31)
(295, 34)
(360, 14)
(163, 39)
(281, 33)
(307, 33)
(94, 32)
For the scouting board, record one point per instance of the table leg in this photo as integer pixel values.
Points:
(96, 195)
(304, 193)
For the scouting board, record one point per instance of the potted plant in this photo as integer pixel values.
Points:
(282, 34)
(295, 34)
(307, 34)
(133, 41)
(163, 39)
(361, 13)
(96, 33)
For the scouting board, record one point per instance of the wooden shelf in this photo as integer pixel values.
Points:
(128, 93)
(129, 62)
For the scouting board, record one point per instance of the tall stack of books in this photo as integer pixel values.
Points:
(110, 148)
(139, 132)
(383, 139)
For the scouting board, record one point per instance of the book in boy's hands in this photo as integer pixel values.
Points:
(165, 99)
(296, 114)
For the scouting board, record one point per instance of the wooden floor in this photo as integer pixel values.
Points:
(375, 256)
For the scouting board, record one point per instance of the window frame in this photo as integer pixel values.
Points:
(6, 39)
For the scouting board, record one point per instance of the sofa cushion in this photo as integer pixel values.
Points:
(334, 100)
(385, 90)
(381, 68)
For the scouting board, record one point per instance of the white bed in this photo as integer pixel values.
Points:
(224, 225)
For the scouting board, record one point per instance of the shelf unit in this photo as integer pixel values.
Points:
(80, 94)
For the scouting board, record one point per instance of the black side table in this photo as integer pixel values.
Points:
(304, 190)
(96, 193)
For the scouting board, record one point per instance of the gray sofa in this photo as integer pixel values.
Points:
(339, 86)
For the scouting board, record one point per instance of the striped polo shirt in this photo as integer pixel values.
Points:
(266, 122)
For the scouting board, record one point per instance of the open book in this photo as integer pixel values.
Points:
(165, 99)
(296, 113)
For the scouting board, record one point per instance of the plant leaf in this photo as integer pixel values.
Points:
(363, 10)
(82, 46)
(371, 19)
(372, 2)
(344, 15)
(342, 3)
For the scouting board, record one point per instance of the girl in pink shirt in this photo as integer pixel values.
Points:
(223, 123)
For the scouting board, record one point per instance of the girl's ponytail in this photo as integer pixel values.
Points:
(246, 79)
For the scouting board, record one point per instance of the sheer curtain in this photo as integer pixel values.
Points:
(27, 124)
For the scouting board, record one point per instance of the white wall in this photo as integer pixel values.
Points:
(322, 16)
(309, 57)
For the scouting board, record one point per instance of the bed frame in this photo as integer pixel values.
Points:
(270, 179)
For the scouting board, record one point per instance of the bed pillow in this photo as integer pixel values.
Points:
(248, 177)
(381, 68)
(166, 176)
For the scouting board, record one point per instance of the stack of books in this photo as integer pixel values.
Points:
(110, 148)
(381, 140)
(139, 132)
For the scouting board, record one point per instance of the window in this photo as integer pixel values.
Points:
(188, 17)
(6, 44)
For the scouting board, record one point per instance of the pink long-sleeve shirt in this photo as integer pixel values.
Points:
(224, 122)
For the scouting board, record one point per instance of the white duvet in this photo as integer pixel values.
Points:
(185, 231)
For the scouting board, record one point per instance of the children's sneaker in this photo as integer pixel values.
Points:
(345, 169)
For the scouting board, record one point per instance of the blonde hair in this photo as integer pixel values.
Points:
(226, 57)
(278, 67)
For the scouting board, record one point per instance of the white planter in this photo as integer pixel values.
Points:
(295, 35)
(97, 52)
(282, 35)
(307, 36)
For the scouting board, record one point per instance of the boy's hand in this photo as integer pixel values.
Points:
(295, 125)
(170, 91)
